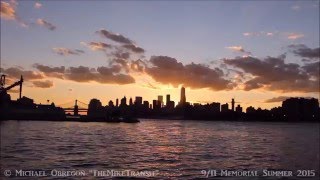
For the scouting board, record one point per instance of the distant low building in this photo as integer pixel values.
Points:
(170, 105)
(239, 109)
(123, 101)
(95, 108)
(250, 109)
(215, 107)
(160, 101)
(300, 108)
(146, 104)
(225, 107)
(110, 104)
(138, 100)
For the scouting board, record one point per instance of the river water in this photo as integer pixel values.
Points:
(167, 148)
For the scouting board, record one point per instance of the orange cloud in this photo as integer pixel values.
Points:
(8, 11)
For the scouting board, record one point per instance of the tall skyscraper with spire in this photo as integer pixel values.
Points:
(232, 104)
(183, 96)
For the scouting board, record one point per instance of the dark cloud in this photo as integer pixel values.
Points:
(15, 72)
(274, 74)
(133, 48)
(121, 55)
(167, 70)
(46, 24)
(43, 84)
(66, 51)
(104, 75)
(48, 69)
(302, 50)
(124, 48)
(109, 70)
(312, 69)
(138, 65)
(114, 37)
(57, 72)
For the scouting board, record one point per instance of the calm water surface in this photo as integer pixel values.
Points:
(174, 149)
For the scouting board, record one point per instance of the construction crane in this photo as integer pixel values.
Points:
(4, 89)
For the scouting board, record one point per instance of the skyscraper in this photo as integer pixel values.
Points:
(160, 99)
(138, 100)
(168, 99)
(225, 107)
(239, 109)
(183, 96)
(110, 103)
(123, 101)
(232, 104)
(146, 104)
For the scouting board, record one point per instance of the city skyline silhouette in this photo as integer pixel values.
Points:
(128, 110)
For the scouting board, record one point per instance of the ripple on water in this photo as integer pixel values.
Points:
(177, 149)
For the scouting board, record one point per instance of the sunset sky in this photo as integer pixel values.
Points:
(256, 52)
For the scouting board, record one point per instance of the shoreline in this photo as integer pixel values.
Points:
(158, 119)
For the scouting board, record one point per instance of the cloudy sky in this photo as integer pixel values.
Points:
(256, 52)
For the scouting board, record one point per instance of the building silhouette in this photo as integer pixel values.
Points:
(300, 108)
(215, 107)
(160, 100)
(110, 103)
(239, 109)
(169, 104)
(123, 101)
(138, 100)
(146, 104)
(156, 104)
(95, 108)
(232, 104)
(76, 109)
(183, 96)
(225, 107)
(130, 102)
(250, 109)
